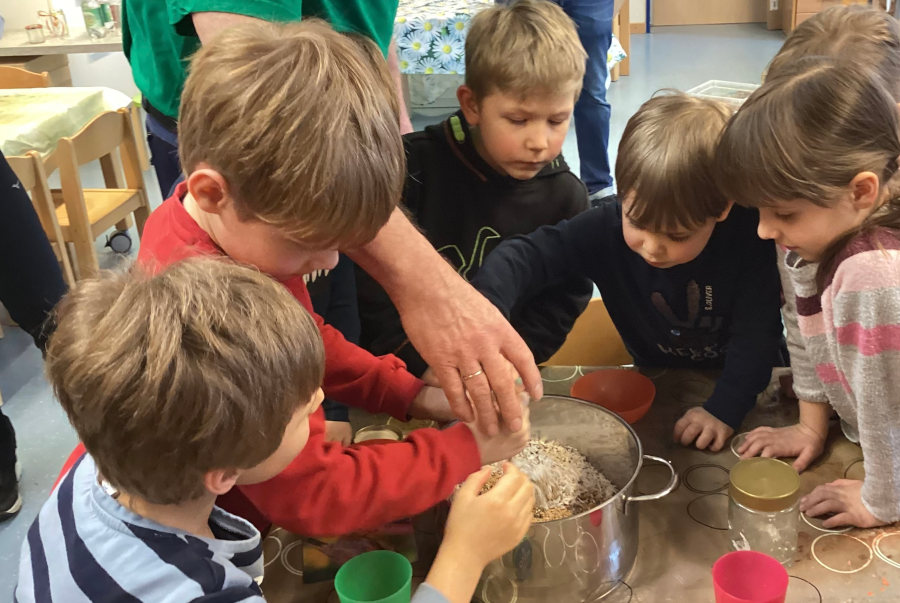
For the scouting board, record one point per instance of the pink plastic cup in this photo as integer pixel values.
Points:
(749, 577)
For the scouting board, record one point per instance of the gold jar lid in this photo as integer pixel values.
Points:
(377, 432)
(764, 484)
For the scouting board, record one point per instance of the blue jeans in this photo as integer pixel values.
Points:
(593, 18)
(164, 156)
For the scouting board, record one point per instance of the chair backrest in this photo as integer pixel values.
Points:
(108, 138)
(32, 174)
(593, 341)
(30, 170)
(16, 77)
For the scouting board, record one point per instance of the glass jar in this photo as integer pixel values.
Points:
(763, 508)
(35, 33)
(55, 23)
(93, 18)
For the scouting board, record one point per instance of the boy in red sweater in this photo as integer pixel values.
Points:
(291, 148)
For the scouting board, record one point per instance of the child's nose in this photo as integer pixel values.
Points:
(327, 260)
(537, 141)
(654, 247)
(765, 229)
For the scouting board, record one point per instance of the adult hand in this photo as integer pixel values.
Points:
(842, 497)
(457, 331)
(469, 347)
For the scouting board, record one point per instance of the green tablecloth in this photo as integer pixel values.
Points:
(36, 118)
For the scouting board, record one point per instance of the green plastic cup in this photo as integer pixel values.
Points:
(375, 577)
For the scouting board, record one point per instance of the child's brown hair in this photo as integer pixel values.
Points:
(867, 37)
(528, 47)
(806, 133)
(666, 158)
(302, 123)
(167, 377)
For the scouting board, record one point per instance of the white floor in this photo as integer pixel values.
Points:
(670, 57)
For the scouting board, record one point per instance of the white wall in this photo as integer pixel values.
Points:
(638, 10)
(95, 69)
(19, 13)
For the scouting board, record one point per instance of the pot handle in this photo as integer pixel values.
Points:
(673, 483)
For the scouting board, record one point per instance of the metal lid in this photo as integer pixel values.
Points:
(764, 484)
(377, 432)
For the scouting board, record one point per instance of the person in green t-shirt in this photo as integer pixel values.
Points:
(159, 42)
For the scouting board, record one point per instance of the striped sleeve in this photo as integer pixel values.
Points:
(864, 307)
(231, 595)
(428, 594)
(798, 285)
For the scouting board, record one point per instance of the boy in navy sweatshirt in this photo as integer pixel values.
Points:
(686, 280)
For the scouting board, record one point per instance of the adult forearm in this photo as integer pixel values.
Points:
(461, 335)
(394, 67)
(403, 262)
(209, 24)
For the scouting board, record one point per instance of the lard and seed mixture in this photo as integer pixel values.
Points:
(565, 483)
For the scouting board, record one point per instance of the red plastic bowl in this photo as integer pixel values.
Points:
(627, 393)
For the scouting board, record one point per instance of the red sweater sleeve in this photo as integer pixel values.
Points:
(352, 375)
(330, 489)
(357, 378)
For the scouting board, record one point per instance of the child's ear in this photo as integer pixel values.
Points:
(220, 481)
(864, 190)
(468, 102)
(724, 214)
(208, 188)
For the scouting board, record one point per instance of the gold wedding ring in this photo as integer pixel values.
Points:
(475, 374)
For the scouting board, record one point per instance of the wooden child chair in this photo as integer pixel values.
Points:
(85, 214)
(31, 173)
(16, 77)
(593, 341)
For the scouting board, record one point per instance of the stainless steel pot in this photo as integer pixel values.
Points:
(579, 558)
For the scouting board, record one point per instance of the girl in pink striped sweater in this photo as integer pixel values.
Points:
(816, 150)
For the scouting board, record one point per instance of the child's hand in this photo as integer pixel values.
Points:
(842, 497)
(488, 525)
(430, 378)
(431, 403)
(338, 431)
(797, 440)
(698, 424)
(505, 444)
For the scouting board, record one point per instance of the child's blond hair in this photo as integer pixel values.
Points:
(666, 160)
(528, 47)
(302, 123)
(167, 377)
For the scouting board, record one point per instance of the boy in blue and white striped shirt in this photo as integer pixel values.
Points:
(182, 385)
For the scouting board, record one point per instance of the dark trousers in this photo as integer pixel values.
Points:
(31, 282)
(163, 155)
